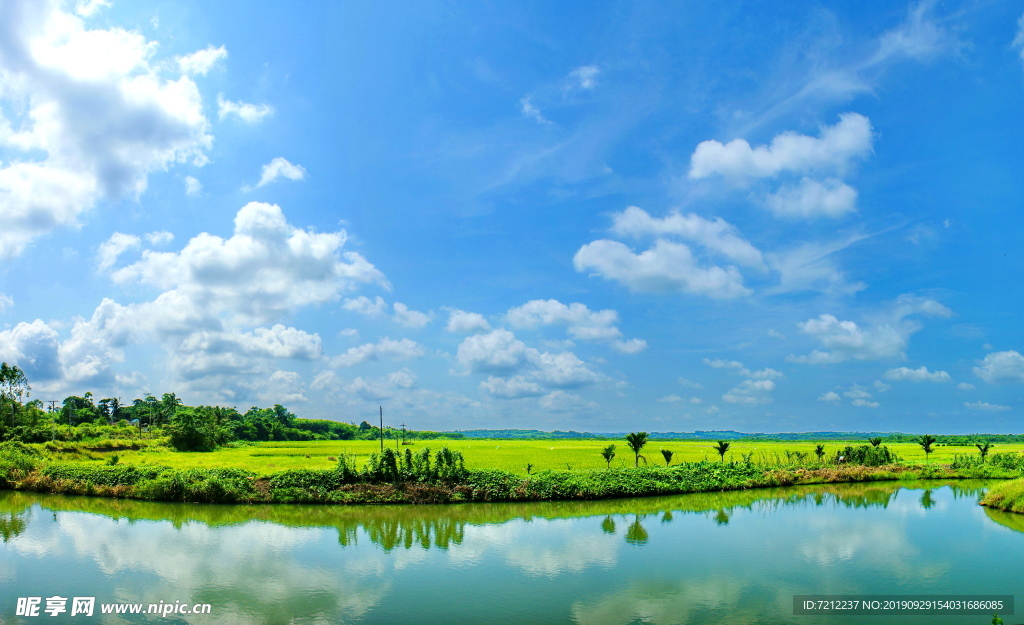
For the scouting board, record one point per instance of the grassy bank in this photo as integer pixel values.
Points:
(1008, 497)
(427, 478)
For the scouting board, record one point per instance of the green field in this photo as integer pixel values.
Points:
(508, 455)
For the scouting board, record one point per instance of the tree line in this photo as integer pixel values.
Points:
(189, 427)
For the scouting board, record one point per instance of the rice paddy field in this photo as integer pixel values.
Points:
(505, 454)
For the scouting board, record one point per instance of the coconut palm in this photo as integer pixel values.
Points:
(983, 448)
(926, 443)
(721, 448)
(667, 455)
(876, 441)
(636, 442)
(608, 453)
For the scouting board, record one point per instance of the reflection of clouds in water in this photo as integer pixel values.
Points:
(541, 547)
(686, 601)
(245, 571)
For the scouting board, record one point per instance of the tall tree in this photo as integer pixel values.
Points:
(926, 443)
(608, 453)
(721, 448)
(14, 389)
(983, 449)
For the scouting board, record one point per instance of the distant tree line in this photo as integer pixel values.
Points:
(189, 427)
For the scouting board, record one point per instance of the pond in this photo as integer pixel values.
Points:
(724, 558)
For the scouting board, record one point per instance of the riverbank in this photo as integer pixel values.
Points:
(1008, 497)
(334, 486)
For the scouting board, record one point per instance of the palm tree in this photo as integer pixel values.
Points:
(608, 453)
(926, 443)
(636, 442)
(876, 441)
(819, 451)
(667, 455)
(721, 448)
(983, 448)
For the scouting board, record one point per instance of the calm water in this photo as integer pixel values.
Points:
(724, 558)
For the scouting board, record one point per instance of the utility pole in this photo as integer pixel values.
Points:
(381, 428)
(403, 433)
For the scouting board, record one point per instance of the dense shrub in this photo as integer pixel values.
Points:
(867, 455)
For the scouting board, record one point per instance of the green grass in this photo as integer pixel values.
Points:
(505, 455)
(1008, 497)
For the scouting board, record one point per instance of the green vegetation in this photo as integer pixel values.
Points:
(926, 443)
(983, 449)
(636, 442)
(1008, 497)
(721, 447)
(608, 453)
(667, 455)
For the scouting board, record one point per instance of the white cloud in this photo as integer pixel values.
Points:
(812, 267)
(831, 397)
(812, 198)
(32, 347)
(280, 168)
(1001, 367)
(718, 363)
(715, 234)
(199, 63)
(585, 76)
(920, 374)
(632, 346)
(277, 341)
(986, 407)
(881, 387)
(501, 354)
(964, 386)
(582, 322)
(864, 403)
(887, 340)
(751, 393)
(776, 334)
(857, 393)
(283, 387)
(88, 8)
(834, 149)
(665, 267)
(764, 374)
(5, 302)
(92, 117)
(529, 110)
(403, 349)
(410, 318)
(512, 388)
(192, 186)
(267, 268)
(111, 249)
(1018, 41)
(403, 378)
(670, 399)
(366, 306)
(248, 113)
(159, 237)
(466, 322)
(689, 383)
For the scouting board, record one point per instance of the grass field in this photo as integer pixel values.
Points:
(508, 455)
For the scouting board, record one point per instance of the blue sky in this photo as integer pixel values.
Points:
(600, 217)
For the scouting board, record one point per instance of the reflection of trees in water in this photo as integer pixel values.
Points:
(608, 525)
(636, 534)
(722, 517)
(970, 490)
(439, 532)
(926, 499)
(12, 525)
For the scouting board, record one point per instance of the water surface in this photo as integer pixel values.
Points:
(728, 558)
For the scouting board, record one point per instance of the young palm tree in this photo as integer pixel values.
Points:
(608, 453)
(926, 443)
(721, 448)
(636, 442)
(667, 455)
(983, 448)
(876, 441)
(819, 451)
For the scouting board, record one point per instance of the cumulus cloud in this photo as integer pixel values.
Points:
(248, 113)
(813, 198)
(410, 318)
(502, 355)
(716, 235)
(5, 302)
(267, 268)
(159, 237)
(283, 387)
(632, 346)
(111, 249)
(964, 386)
(751, 393)
(865, 403)
(845, 340)
(199, 63)
(402, 349)
(1001, 367)
(464, 322)
(665, 267)
(511, 388)
(366, 306)
(89, 118)
(920, 374)
(33, 348)
(764, 374)
(831, 397)
(985, 407)
(689, 383)
(280, 168)
(834, 149)
(671, 399)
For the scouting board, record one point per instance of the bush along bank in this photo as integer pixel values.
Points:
(392, 477)
(1008, 497)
